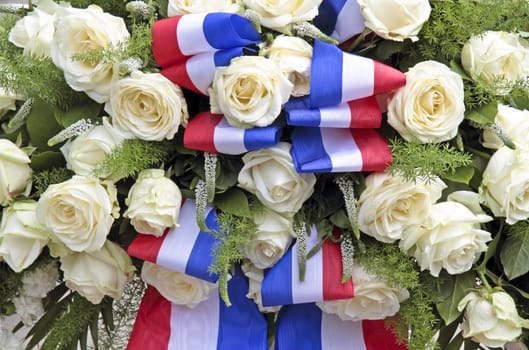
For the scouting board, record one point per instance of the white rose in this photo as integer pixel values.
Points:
(255, 278)
(270, 174)
(505, 183)
(78, 212)
(449, 238)
(34, 32)
(279, 15)
(80, 31)
(389, 203)
(430, 107)
(176, 287)
(493, 55)
(147, 106)
(99, 273)
(513, 123)
(181, 7)
(15, 172)
(492, 319)
(395, 19)
(7, 102)
(294, 57)
(374, 299)
(249, 92)
(153, 203)
(89, 149)
(22, 237)
(273, 236)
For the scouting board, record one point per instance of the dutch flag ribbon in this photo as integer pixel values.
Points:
(322, 150)
(340, 19)
(185, 249)
(337, 76)
(176, 38)
(305, 326)
(196, 72)
(211, 133)
(361, 113)
(323, 276)
(161, 325)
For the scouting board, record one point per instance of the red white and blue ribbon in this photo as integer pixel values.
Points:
(196, 72)
(323, 276)
(337, 77)
(211, 133)
(305, 326)
(361, 113)
(161, 325)
(340, 19)
(176, 38)
(185, 249)
(322, 150)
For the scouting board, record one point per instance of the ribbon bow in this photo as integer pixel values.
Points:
(189, 47)
(323, 278)
(185, 249)
(211, 133)
(340, 19)
(305, 326)
(161, 325)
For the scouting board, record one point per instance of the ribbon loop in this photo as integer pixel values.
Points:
(211, 133)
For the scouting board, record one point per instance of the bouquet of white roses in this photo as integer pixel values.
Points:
(249, 174)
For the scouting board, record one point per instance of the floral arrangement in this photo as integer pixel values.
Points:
(332, 172)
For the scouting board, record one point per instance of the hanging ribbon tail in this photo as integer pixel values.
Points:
(323, 150)
(196, 72)
(176, 38)
(185, 249)
(340, 19)
(305, 326)
(361, 113)
(209, 325)
(337, 77)
(211, 133)
(323, 277)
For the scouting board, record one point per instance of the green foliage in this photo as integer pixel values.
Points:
(413, 160)
(417, 313)
(70, 325)
(515, 250)
(44, 178)
(388, 262)
(29, 77)
(234, 233)
(452, 23)
(392, 265)
(131, 157)
(115, 7)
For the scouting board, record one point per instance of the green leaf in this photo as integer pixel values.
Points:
(461, 175)
(41, 124)
(456, 343)
(234, 202)
(448, 307)
(163, 7)
(340, 219)
(446, 334)
(515, 255)
(88, 110)
(459, 70)
(46, 160)
(485, 115)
